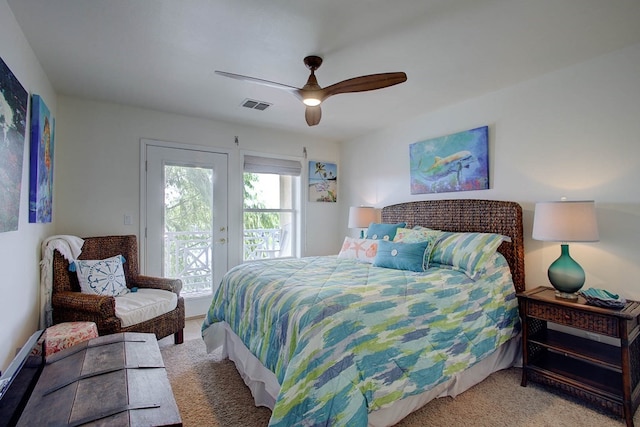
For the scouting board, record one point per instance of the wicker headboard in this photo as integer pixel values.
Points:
(485, 216)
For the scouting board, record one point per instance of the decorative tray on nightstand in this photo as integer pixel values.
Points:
(603, 298)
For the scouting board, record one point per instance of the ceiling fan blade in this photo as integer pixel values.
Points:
(294, 90)
(364, 83)
(313, 115)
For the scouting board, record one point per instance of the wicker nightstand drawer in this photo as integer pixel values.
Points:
(592, 322)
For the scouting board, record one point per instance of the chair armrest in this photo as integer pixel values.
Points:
(78, 301)
(167, 284)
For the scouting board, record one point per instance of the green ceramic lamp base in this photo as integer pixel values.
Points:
(566, 275)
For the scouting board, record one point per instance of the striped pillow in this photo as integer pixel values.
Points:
(466, 252)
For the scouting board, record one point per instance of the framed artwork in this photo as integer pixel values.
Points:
(323, 182)
(456, 162)
(41, 162)
(13, 119)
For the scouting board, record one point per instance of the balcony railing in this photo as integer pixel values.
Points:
(262, 243)
(189, 255)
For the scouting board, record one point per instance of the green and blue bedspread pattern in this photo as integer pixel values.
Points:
(345, 338)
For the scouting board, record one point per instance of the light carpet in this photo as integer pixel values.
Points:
(210, 392)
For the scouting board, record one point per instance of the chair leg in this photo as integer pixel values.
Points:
(178, 337)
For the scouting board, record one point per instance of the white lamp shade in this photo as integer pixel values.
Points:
(361, 216)
(565, 221)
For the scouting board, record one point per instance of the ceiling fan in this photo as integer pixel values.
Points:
(312, 95)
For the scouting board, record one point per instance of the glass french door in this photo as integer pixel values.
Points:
(185, 220)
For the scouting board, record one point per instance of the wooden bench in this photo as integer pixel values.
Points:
(116, 379)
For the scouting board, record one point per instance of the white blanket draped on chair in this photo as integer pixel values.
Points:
(69, 247)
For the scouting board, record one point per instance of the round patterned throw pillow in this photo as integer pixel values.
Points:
(102, 277)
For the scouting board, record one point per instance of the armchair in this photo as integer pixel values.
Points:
(69, 304)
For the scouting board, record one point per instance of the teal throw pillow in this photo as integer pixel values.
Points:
(382, 231)
(401, 256)
(408, 235)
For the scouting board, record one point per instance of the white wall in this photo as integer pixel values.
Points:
(20, 250)
(573, 133)
(98, 164)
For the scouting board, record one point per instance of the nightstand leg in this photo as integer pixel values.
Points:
(522, 307)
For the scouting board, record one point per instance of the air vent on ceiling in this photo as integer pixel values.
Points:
(255, 105)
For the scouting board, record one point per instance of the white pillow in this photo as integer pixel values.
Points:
(360, 249)
(101, 277)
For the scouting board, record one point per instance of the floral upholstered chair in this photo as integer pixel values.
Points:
(130, 303)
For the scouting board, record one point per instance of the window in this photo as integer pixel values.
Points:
(271, 211)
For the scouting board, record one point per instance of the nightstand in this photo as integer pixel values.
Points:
(604, 374)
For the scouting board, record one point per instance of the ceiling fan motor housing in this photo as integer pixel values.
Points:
(313, 62)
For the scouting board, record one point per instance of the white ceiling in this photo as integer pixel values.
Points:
(161, 54)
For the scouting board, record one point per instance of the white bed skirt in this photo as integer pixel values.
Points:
(265, 387)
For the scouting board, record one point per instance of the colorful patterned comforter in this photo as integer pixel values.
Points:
(345, 338)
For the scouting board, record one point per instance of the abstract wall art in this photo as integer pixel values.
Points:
(41, 162)
(13, 119)
(456, 162)
(323, 182)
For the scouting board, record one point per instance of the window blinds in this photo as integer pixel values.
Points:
(257, 164)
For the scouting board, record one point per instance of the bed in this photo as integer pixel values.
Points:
(338, 341)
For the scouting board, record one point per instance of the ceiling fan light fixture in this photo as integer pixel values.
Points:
(311, 101)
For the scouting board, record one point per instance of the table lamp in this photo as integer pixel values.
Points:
(565, 221)
(361, 217)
